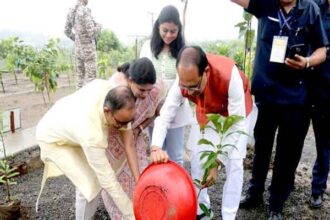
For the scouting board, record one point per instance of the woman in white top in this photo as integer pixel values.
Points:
(163, 48)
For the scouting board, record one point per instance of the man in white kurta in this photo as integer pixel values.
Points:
(72, 137)
(220, 89)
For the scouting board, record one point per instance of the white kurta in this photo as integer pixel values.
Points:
(236, 106)
(234, 162)
(73, 137)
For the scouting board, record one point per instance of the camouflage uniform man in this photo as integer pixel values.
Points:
(82, 29)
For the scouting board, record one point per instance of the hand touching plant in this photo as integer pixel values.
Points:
(224, 128)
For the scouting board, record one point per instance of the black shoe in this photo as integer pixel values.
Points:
(315, 201)
(275, 216)
(251, 201)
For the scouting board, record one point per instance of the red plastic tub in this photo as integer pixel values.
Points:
(165, 192)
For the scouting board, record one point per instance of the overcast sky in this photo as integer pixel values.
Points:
(206, 19)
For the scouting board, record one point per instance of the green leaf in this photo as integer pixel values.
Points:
(228, 145)
(210, 127)
(247, 16)
(230, 121)
(205, 154)
(206, 173)
(2, 163)
(224, 153)
(242, 31)
(205, 141)
(241, 24)
(198, 183)
(12, 175)
(210, 160)
(205, 210)
(214, 118)
(12, 169)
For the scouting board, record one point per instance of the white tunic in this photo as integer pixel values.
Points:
(73, 136)
(236, 106)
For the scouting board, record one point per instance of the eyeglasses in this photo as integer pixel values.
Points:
(193, 88)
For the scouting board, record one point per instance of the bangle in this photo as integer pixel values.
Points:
(307, 63)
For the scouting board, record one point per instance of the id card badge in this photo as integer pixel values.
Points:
(279, 49)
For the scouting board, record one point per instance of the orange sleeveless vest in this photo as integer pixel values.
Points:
(214, 99)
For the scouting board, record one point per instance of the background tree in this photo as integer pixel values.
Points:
(229, 48)
(246, 31)
(12, 54)
(107, 41)
(43, 69)
(111, 53)
(65, 63)
(1, 81)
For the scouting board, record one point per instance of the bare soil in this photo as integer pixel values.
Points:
(57, 200)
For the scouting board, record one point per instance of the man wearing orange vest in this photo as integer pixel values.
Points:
(215, 85)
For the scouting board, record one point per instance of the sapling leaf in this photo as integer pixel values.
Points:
(228, 145)
(205, 141)
(210, 127)
(11, 175)
(205, 210)
(210, 160)
(205, 154)
(214, 118)
(220, 125)
(10, 183)
(230, 121)
(205, 175)
(2, 179)
(198, 183)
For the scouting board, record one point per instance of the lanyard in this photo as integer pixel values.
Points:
(283, 21)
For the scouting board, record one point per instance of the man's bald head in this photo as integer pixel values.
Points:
(192, 55)
(119, 98)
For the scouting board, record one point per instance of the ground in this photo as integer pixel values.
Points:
(57, 200)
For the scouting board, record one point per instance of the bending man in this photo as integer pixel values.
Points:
(73, 137)
(216, 86)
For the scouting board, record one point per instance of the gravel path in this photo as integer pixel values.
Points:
(57, 201)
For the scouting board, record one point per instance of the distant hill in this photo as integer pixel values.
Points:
(34, 39)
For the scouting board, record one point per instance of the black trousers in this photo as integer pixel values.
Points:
(291, 123)
(321, 122)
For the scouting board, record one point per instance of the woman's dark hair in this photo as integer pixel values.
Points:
(168, 14)
(141, 71)
(124, 69)
(196, 56)
(118, 98)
